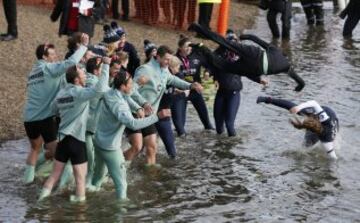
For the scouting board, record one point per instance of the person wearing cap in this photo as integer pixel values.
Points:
(274, 8)
(254, 61)
(150, 50)
(190, 71)
(321, 123)
(44, 81)
(115, 115)
(124, 45)
(72, 105)
(352, 12)
(227, 99)
(72, 18)
(150, 94)
(111, 39)
(124, 7)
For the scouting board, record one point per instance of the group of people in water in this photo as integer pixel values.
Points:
(78, 109)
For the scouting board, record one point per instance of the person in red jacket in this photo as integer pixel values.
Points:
(72, 19)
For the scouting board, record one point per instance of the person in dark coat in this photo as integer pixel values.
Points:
(10, 14)
(124, 45)
(274, 8)
(72, 20)
(125, 9)
(352, 11)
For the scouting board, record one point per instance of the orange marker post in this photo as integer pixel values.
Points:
(223, 17)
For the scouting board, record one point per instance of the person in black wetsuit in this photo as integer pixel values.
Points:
(321, 122)
(190, 71)
(253, 61)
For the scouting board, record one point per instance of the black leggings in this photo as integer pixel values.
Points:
(282, 103)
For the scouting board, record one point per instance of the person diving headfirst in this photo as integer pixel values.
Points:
(320, 122)
(253, 61)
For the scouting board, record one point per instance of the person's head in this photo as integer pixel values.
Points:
(123, 82)
(184, 46)
(74, 41)
(120, 32)
(163, 55)
(311, 123)
(110, 36)
(76, 76)
(115, 66)
(231, 36)
(123, 58)
(174, 64)
(93, 66)
(88, 55)
(150, 50)
(46, 52)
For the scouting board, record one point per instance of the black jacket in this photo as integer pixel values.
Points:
(191, 73)
(62, 7)
(353, 8)
(134, 60)
(227, 81)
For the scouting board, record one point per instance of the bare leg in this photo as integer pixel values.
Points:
(80, 171)
(53, 179)
(151, 148)
(136, 141)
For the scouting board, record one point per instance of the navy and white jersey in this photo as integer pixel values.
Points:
(190, 68)
(326, 116)
(166, 100)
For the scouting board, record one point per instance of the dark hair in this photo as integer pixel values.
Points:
(92, 65)
(73, 40)
(43, 50)
(163, 49)
(121, 78)
(113, 62)
(183, 39)
(71, 74)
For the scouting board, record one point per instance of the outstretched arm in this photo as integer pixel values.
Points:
(256, 40)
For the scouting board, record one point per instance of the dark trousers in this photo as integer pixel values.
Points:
(226, 106)
(163, 126)
(285, 19)
(281, 103)
(10, 15)
(314, 11)
(351, 21)
(205, 12)
(124, 7)
(178, 111)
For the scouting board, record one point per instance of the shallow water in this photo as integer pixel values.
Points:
(262, 175)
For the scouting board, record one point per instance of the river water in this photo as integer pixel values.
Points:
(261, 175)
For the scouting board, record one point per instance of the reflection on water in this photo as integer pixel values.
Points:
(261, 175)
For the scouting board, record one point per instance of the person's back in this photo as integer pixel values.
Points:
(44, 83)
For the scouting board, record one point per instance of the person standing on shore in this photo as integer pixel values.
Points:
(10, 15)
